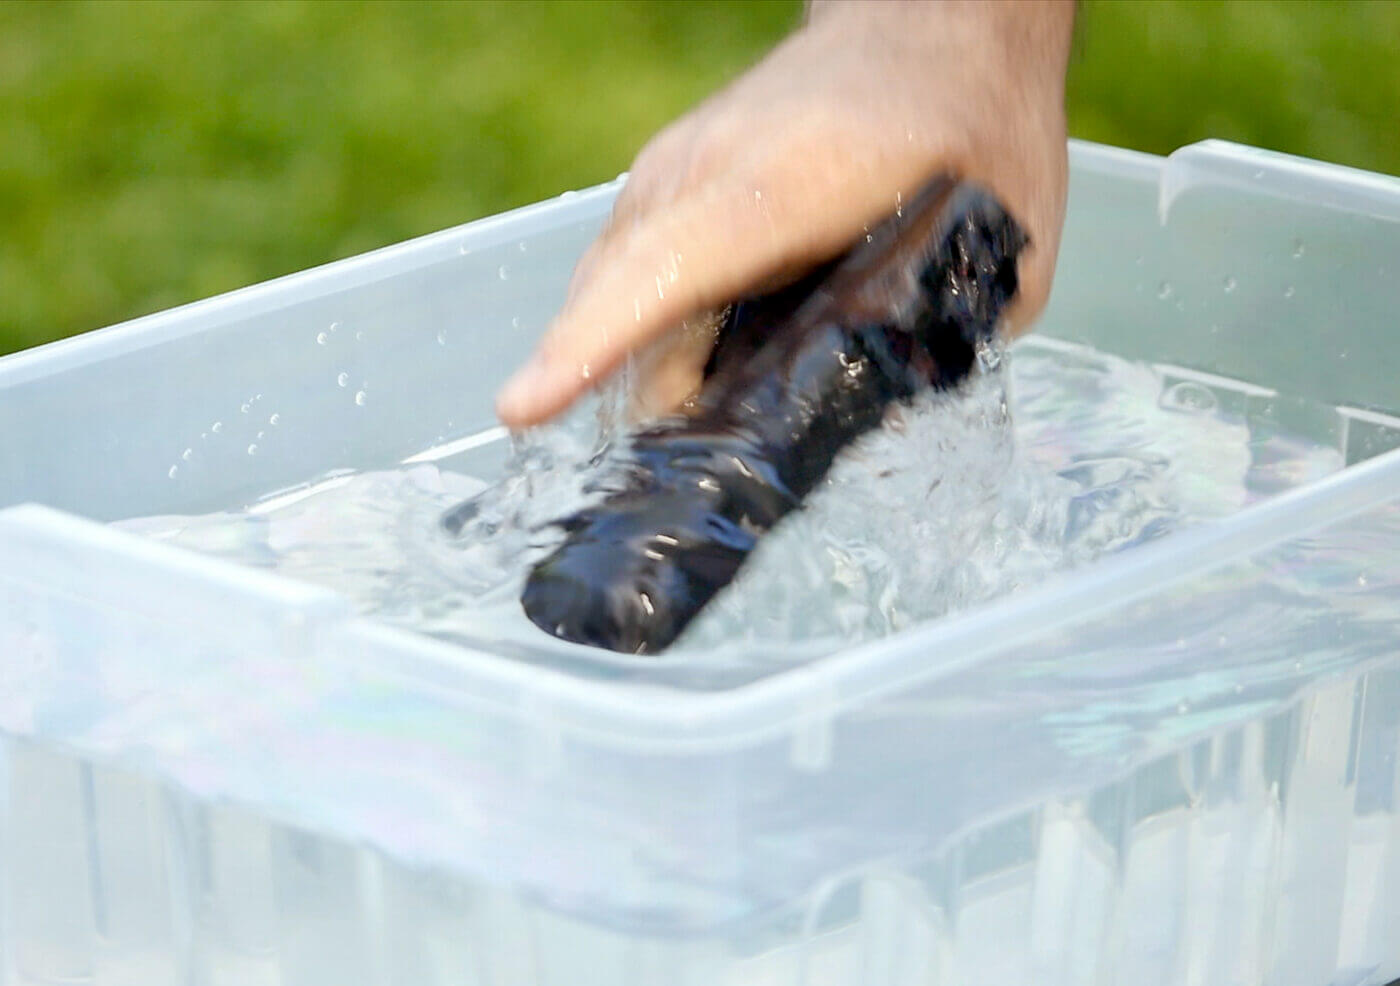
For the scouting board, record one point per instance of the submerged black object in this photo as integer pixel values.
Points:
(795, 377)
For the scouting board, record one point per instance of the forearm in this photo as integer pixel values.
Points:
(1026, 38)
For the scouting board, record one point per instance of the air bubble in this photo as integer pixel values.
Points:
(1187, 396)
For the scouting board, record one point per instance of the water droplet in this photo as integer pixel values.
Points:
(321, 338)
(522, 246)
(442, 337)
(274, 419)
(463, 249)
(1297, 249)
(1140, 259)
(1182, 708)
(360, 336)
(244, 409)
(343, 379)
(586, 371)
(261, 434)
(503, 272)
(637, 309)
(252, 450)
(1230, 284)
(174, 471)
(515, 322)
(217, 427)
(1288, 292)
(187, 454)
(1164, 290)
(334, 326)
(1361, 581)
(1259, 174)
(570, 194)
(360, 398)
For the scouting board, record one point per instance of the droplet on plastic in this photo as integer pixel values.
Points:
(244, 409)
(321, 338)
(1187, 396)
(1164, 290)
(442, 337)
(343, 380)
(503, 272)
(252, 450)
(274, 419)
(1289, 291)
(261, 434)
(217, 427)
(585, 371)
(1297, 249)
(515, 322)
(360, 398)
(333, 327)
(187, 454)
(174, 471)
(463, 249)
(522, 246)
(1230, 284)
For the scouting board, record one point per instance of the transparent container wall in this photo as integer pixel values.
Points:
(1176, 765)
(358, 364)
(1131, 797)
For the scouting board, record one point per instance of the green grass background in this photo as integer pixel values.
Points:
(155, 153)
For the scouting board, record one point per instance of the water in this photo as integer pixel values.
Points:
(1044, 461)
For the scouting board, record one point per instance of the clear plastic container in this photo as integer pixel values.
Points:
(212, 775)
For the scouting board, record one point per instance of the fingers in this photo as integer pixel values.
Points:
(707, 248)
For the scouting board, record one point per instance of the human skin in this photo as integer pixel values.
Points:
(789, 164)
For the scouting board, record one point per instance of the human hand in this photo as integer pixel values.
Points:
(786, 167)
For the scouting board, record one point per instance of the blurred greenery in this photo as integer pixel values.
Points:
(154, 153)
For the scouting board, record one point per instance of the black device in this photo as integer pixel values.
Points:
(795, 377)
